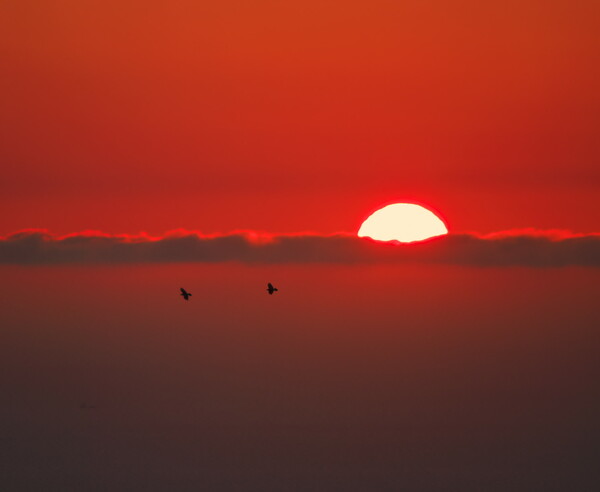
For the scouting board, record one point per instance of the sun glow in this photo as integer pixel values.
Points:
(404, 222)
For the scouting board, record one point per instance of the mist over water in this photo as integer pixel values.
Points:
(348, 378)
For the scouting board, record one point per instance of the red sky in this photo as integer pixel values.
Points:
(293, 116)
(476, 371)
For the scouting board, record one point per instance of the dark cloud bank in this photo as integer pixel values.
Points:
(529, 248)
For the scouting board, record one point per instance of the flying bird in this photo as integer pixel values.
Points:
(271, 289)
(185, 294)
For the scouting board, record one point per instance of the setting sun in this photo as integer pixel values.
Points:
(404, 222)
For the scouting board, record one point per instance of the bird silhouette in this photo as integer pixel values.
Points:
(271, 289)
(185, 294)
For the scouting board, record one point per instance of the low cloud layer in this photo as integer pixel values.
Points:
(512, 248)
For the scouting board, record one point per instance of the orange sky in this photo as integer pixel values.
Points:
(291, 116)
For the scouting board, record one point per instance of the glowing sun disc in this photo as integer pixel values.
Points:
(404, 222)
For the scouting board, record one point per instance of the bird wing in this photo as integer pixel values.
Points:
(183, 291)
(270, 286)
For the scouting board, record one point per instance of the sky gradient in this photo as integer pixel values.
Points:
(297, 116)
(148, 146)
